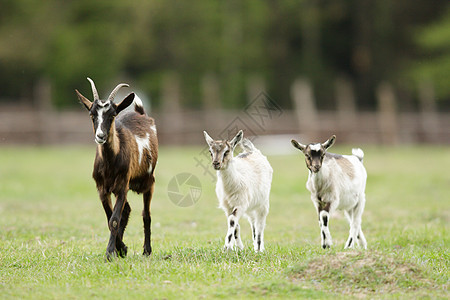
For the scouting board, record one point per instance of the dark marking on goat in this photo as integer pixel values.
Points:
(254, 232)
(323, 235)
(139, 109)
(325, 221)
(229, 238)
(244, 155)
(234, 212)
(333, 155)
(323, 206)
(232, 223)
(259, 241)
(236, 233)
(350, 242)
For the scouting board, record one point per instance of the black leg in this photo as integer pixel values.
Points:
(107, 206)
(148, 219)
(120, 245)
(114, 224)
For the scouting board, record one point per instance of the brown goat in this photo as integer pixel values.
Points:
(126, 157)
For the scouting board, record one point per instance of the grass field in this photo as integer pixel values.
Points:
(53, 233)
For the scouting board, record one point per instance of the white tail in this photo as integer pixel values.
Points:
(358, 153)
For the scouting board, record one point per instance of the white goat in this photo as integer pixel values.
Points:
(336, 182)
(243, 187)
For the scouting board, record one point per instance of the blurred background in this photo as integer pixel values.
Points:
(369, 71)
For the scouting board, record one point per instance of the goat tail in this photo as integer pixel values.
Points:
(358, 153)
(138, 105)
(247, 145)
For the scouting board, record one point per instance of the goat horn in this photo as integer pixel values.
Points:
(115, 90)
(94, 89)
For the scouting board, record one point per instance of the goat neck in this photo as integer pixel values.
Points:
(112, 145)
(230, 176)
(321, 178)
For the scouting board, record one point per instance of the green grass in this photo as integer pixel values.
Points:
(53, 233)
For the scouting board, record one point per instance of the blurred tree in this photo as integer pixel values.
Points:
(26, 28)
(433, 64)
(92, 41)
(143, 42)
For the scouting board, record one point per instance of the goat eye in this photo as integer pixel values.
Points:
(226, 153)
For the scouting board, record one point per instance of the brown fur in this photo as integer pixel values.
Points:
(344, 163)
(117, 169)
(218, 150)
(346, 167)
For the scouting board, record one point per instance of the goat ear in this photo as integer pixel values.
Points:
(85, 101)
(298, 145)
(125, 103)
(208, 139)
(329, 142)
(237, 138)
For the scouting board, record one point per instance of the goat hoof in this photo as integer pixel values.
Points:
(326, 246)
(123, 251)
(110, 256)
(227, 248)
(147, 252)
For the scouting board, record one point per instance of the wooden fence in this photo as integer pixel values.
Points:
(70, 127)
(262, 116)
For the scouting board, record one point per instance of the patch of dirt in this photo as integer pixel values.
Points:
(360, 273)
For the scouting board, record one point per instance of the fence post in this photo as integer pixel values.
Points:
(387, 114)
(428, 112)
(210, 92)
(172, 121)
(345, 104)
(305, 109)
(212, 116)
(255, 86)
(43, 97)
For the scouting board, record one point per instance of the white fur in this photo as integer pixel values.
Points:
(358, 153)
(150, 169)
(143, 143)
(332, 185)
(99, 132)
(315, 147)
(138, 101)
(243, 189)
(153, 127)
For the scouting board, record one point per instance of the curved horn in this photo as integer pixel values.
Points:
(115, 90)
(94, 89)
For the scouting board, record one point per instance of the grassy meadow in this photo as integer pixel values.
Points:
(53, 232)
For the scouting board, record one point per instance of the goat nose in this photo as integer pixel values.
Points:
(216, 163)
(101, 135)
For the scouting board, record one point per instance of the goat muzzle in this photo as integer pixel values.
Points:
(100, 139)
